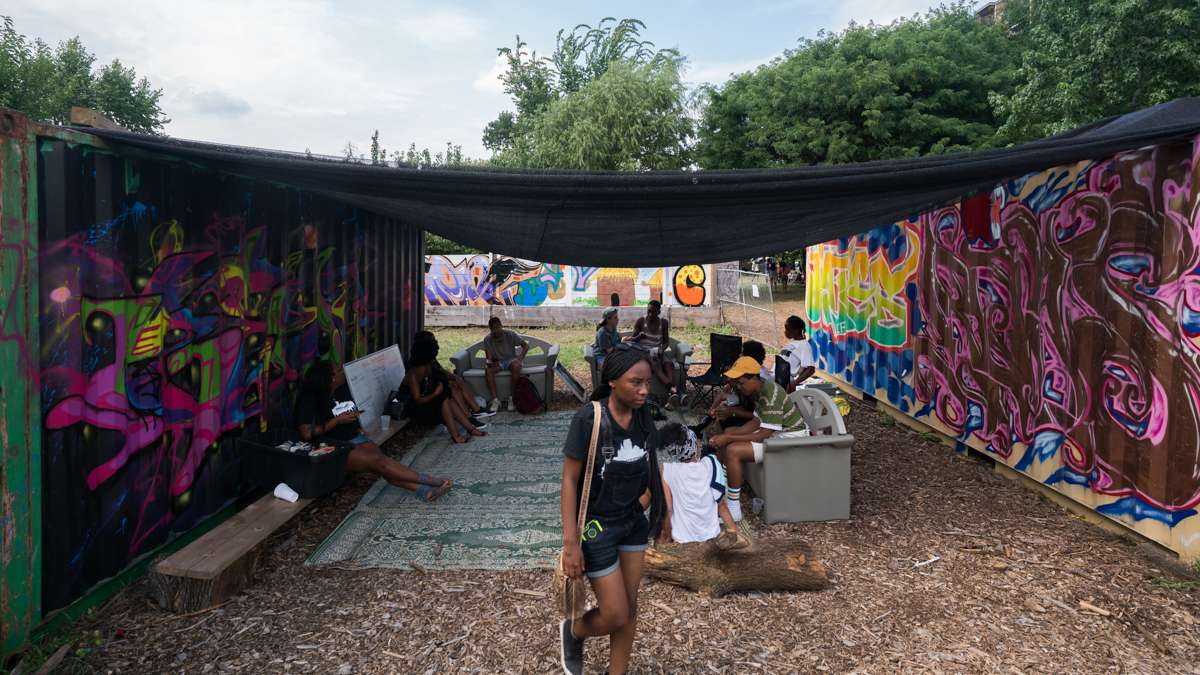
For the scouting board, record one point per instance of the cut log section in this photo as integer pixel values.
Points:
(220, 563)
(763, 566)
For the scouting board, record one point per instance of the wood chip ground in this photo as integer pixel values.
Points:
(944, 567)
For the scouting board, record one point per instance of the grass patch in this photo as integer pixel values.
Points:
(887, 420)
(932, 437)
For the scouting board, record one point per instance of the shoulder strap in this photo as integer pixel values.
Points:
(590, 466)
(713, 483)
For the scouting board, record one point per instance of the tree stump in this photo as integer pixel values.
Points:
(764, 566)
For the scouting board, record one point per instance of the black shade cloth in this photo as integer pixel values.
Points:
(671, 218)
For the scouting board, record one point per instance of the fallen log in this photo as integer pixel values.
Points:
(771, 565)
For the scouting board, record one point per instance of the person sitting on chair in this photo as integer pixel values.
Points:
(694, 485)
(652, 333)
(316, 422)
(504, 350)
(730, 409)
(775, 415)
(797, 354)
(607, 336)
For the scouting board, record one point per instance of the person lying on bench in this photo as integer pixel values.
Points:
(504, 350)
(459, 390)
(315, 421)
(775, 415)
(694, 485)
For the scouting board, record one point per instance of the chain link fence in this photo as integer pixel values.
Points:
(747, 303)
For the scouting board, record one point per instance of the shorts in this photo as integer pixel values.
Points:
(505, 364)
(759, 449)
(629, 535)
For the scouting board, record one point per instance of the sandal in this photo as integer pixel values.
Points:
(435, 481)
(429, 493)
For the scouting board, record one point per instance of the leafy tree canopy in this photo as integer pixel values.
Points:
(1085, 60)
(44, 83)
(604, 99)
(914, 87)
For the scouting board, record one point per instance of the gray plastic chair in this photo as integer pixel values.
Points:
(807, 478)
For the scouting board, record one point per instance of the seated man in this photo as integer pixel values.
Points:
(694, 486)
(729, 409)
(798, 364)
(503, 350)
(775, 415)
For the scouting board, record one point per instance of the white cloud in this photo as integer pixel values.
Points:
(489, 81)
(702, 72)
(442, 28)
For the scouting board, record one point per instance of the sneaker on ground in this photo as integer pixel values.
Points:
(571, 649)
(485, 413)
(512, 405)
(479, 424)
(494, 405)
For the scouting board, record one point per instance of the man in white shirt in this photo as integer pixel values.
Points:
(798, 353)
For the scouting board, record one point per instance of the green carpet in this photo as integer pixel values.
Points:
(502, 514)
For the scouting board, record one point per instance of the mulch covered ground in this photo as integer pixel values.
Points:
(1004, 595)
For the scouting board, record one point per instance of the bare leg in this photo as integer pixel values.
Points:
(463, 395)
(611, 612)
(732, 456)
(368, 457)
(489, 376)
(450, 421)
(463, 418)
(621, 642)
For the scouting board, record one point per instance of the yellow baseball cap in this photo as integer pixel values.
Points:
(745, 365)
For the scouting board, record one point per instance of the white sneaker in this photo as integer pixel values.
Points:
(735, 510)
(512, 405)
(494, 405)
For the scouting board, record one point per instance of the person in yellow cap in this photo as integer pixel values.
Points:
(774, 415)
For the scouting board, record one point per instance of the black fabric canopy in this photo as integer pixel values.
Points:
(672, 218)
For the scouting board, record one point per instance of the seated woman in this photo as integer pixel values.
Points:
(430, 401)
(607, 336)
(316, 422)
(455, 384)
(652, 333)
(695, 488)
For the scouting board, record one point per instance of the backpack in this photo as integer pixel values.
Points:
(783, 369)
(526, 398)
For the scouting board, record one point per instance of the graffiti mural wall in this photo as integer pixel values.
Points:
(179, 311)
(1052, 324)
(496, 280)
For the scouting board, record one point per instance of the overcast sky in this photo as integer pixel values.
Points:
(296, 74)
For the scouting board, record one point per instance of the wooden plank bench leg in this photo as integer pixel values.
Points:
(218, 565)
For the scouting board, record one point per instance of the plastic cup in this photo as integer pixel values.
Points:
(287, 494)
(385, 422)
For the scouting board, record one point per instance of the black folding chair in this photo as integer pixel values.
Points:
(725, 349)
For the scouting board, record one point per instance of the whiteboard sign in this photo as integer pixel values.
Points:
(371, 379)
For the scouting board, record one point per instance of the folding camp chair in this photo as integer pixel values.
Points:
(725, 349)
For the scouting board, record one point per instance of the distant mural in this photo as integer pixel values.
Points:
(1052, 323)
(164, 341)
(487, 280)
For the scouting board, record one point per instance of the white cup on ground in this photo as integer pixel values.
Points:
(385, 422)
(287, 494)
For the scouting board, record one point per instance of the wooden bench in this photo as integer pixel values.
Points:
(219, 564)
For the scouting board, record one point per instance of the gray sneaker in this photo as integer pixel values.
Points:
(571, 649)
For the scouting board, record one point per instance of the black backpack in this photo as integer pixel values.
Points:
(783, 369)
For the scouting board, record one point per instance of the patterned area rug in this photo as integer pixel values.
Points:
(502, 514)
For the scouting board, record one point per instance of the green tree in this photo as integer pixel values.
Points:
(914, 87)
(604, 99)
(44, 83)
(1085, 60)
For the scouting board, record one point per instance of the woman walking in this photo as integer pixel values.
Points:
(625, 480)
